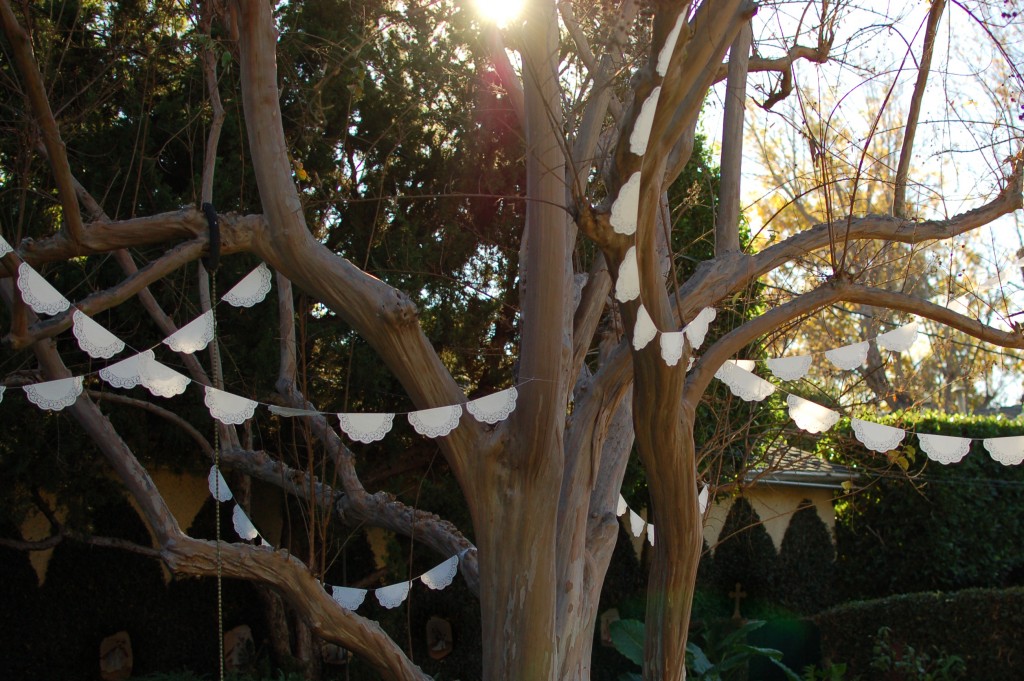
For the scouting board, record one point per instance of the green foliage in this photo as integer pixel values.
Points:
(628, 637)
(745, 554)
(806, 567)
(984, 627)
(900, 661)
(935, 527)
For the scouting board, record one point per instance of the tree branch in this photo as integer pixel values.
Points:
(165, 414)
(727, 235)
(899, 207)
(57, 154)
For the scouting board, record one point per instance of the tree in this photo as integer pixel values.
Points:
(597, 157)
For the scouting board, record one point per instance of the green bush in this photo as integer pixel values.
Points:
(941, 528)
(985, 627)
(745, 554)
(805, 572)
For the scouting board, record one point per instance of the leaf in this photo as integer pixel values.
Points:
(699, 661)
(628, 638)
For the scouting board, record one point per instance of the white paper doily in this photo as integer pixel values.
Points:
(436, 422)
(627, 284)
(665, 56)
(55, 395)
(849, 357)
(650, 534)
(644, 331)
(442, 575)
(93, 338)
(38, 293)
(944, 448)
(702, 500)
(642, 126)
(876, 436)
(366, 428)
(347, 597)
(392, 596)
(194, 336)
(229, 409)
(219, 489)
(624, 209)
(811, 416)
(5, 247)
(252, 289)
(743, 384)
(495, 407)
(697, 329)
(128, 372)
(160, 379)
(672, 346)
(243, 526)
(790, 368)
(1008, 451)
(3, 389)
(636, 523)
(898, 340)
(621, 506)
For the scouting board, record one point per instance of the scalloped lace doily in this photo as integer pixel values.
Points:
(627, 284)
(945, 449)
(876, 436)
(665, 56)
(624, 209)
(252, 289)
(636, 523)
(790, 368)
(441, 575)
(347, 597)
(393, 595)
(1008, 451)
(55, 395)
(94, 338)
(128, 372)
(228, 408)
(650, 534)
(436, 422)
(219, 489)
(495, 407)
(366, 428)
(898, 340)
(811, 416)
(160, 379)
(644, 331)
(5, 247)
(3, 389)
(743, 384)
(642, 126)
(697, 329)
(849, 356)
(745, 364)
(194, 336)
(243, 526)
(38, 293)
(702, 499)
(621, 507)
(672, 347)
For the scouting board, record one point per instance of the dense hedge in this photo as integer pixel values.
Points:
(983, 626)
(942, 528)
(745, 554)
(805, 572)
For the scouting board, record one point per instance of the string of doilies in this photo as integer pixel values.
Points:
(350, 598)
(143, 369)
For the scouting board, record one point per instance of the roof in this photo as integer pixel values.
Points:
(792, 467)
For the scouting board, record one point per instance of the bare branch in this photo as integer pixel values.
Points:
(899, 207)
(56, 152)
(165, 414)
(727, 235)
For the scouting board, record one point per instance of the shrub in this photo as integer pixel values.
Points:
(745, 554)
(806, 568)
(985, 627)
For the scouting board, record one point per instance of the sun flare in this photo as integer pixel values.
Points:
(500, 12)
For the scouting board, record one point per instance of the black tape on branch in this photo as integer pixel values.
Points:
(212, 261)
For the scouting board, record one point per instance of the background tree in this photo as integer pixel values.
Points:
(606, 101)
